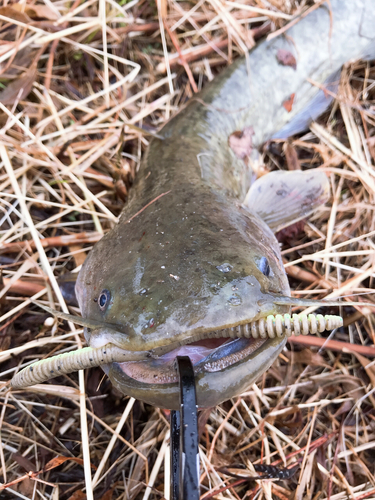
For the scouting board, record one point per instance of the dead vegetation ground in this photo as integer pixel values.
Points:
(77, 107)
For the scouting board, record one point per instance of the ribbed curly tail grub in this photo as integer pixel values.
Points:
(69, 362)
(89, 357)
(283, 325)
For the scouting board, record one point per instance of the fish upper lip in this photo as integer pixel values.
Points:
(141, 343)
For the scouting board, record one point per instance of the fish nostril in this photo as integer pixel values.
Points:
(264, 266)
(103, 300)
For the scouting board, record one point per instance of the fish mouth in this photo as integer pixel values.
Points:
(225, 363)
(206, 355)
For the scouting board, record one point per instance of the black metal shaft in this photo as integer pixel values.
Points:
(175, 455)
(184, 437)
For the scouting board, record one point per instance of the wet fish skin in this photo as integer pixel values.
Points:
(163, 267)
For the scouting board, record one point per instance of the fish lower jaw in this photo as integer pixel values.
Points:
(208, 355)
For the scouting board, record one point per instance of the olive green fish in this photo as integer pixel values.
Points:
(193, 260)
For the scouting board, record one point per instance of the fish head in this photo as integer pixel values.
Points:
(188, 275)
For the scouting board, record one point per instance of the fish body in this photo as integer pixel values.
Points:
(189, 264)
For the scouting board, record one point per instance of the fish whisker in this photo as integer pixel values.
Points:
(294, 301)
(89, 323)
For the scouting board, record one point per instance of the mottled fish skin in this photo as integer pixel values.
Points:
(190, 263)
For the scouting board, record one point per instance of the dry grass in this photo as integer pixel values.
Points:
(86, 86)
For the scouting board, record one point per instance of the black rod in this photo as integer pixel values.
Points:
(189, 466)
(175, 455)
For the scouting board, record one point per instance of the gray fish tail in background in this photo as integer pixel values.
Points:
(322, 43)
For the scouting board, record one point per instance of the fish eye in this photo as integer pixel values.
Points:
(103, 300)
(264, 266)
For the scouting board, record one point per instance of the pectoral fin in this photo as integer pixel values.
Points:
(282, 198)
